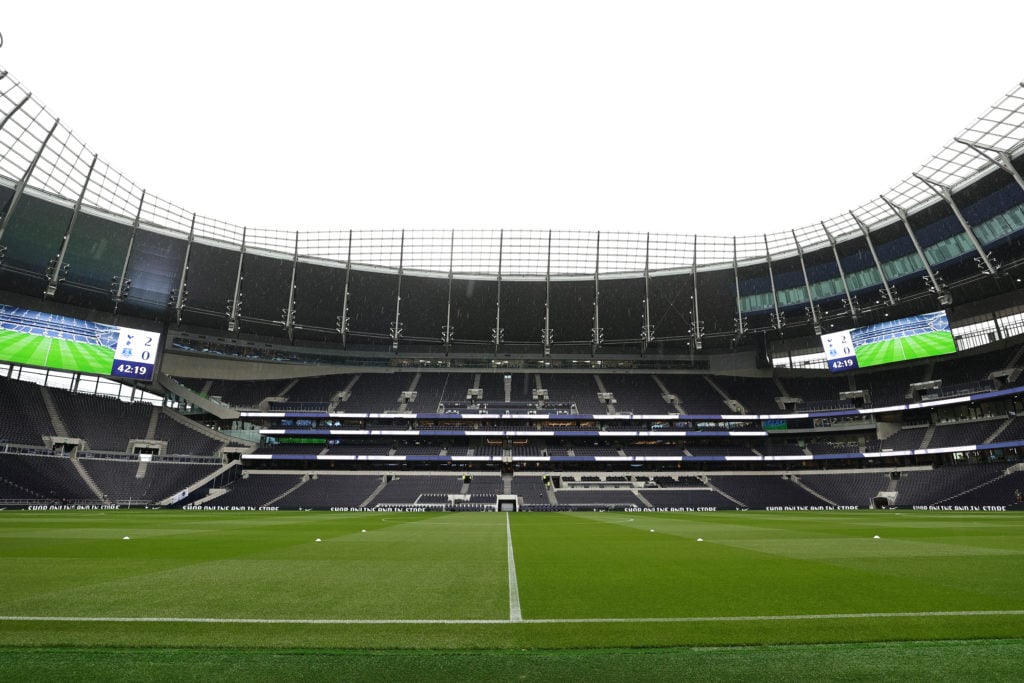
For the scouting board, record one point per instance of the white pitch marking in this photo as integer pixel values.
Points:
(515, 611)
(597, 620)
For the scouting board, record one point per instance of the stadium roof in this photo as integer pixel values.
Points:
(36, 145)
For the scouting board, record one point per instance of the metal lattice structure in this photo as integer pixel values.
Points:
(39, 152)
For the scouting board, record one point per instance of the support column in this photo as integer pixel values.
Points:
(778, 318)
(19, 189)
(812, 308)
(547, 335)
(396, 326)
(121, 284)
(851, 305)
(933, 279)
(647, 331)
(289, 313)
(17, 108)
(997, 157)
(983, 259)
(447, 331)
(180, 295)
(741, 320)
(341, 322)
(696, 325)
(235, 302)
(497, 332)
(597, 332)
(57, 270)
(887, 290)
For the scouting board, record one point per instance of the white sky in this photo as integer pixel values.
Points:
(664, 116)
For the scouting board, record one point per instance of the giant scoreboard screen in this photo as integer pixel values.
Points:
(59, 342)
(919, 336)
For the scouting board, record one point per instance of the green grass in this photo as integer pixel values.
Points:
(905, 348)
(59, 354)
(591, 585)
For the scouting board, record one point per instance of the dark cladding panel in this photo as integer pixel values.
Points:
(671, 305)
(211, 279)
(826, 283)
(717, 292)
(372, 302)
(154, 269)
(622, 304)
(96, 252)
(474, 306)
(34, 234)
(5, 196)
(319, 291)
(989, 197)
(522, 311)
(265, 283)
(572, 310)
(424, 306)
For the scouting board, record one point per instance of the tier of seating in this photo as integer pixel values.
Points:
(48, 479)
(632, 393)
(25, 418)
(636, 394)
(57, 479)
(759, 491)
(695, 394)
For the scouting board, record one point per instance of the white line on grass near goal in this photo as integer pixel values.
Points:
(470, 622)
(515, 611)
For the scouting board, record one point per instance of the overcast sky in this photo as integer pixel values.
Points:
(663, 116)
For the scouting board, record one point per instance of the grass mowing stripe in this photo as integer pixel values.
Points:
(435, 580)
(586, 620)
(515, 611)
(996, 660)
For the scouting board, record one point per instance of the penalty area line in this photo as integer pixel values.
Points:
(470, 622)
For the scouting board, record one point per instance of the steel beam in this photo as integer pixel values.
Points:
(934, 281)
(811, 306)
(547, 335)
(647, 331)
(342, 320)
(886, 289)
(842, 274)
(396, 326)
(57, 269)
(596, 333)
(19, 188)
(777, 322)
(947, 196)
(122, 283)
(181, 296)
(998, 157)
(289, 313)
(447, 332)
(235, 304)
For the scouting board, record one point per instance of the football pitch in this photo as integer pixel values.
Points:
(59, 354)
(905, 348)
(201, 595)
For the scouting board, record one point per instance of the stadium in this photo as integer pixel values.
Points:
(189, 406)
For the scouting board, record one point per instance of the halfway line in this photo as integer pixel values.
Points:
(515, 611)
